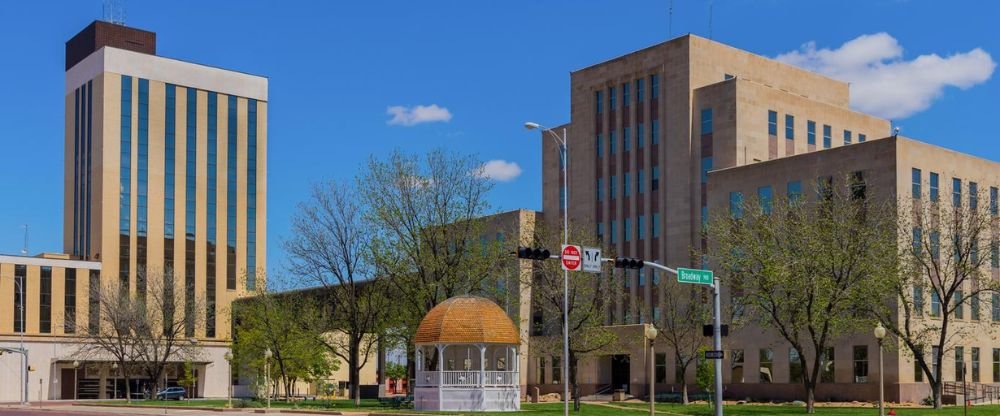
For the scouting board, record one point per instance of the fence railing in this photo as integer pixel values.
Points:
(465, 378)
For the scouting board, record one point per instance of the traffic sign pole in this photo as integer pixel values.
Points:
(699, 277)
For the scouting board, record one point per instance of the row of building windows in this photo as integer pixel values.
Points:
(628, 137)
(956, 190)
(958, 301)
(142, 186)
(772, 130)
(45, 300)
(251, 194)
(766, 359)
(626, 182)
(626, 96)
(640, 228)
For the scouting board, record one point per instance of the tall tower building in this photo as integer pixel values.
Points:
(165, 170)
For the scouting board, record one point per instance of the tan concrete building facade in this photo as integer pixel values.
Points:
(646, 130)
(165, 176)
(895, 168)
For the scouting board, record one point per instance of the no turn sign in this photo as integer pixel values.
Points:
(571, 259)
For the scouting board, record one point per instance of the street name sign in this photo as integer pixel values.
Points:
(571, 259)
(713, 355)
(697, 276)
(591, 259)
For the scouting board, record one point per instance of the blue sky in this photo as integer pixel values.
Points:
(335, 68)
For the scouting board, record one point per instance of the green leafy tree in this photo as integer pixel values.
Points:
(395, 370)
(705, 372)
(680, 324)
(188, 379)
(425, 220)
(804, 266)
(290, 325)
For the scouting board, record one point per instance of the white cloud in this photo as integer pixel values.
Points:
(500, 170)
(409, 116)
(885, 84)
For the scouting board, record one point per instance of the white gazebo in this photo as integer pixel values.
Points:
(467, 358)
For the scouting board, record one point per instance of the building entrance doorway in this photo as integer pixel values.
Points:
(620, 372)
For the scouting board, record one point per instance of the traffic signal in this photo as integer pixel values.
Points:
(628, 263)
(533, 253)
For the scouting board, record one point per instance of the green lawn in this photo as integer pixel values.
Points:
(311, 404)
(633, 408)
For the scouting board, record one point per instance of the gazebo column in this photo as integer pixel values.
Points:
(482, 376)
(440, 366)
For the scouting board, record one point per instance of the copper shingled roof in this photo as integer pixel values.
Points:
(467, 320)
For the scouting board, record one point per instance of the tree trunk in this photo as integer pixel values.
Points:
(572, 377)
(684, 391)
(810, 398)
(936, 392)
(353, 373)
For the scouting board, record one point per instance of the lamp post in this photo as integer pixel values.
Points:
(651, 333)
(564, 158)
(76, 379)
(229, 375)
(267, 375)
(879, 334)
(114, 377)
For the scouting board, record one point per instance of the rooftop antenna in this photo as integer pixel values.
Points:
(710, 3)
(114, 11)
(24, 250)
(670, 20)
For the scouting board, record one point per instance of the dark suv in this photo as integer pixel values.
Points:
(175, 393)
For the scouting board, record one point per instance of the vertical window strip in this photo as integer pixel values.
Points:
(45, 300)
(231, 195)
(211, 205)
(76, 172)
(142, 225)
(20, 286)
(251, 194)
(191, 174)
(169, 161)
(89, 120)
(69, 301)
(124, 209)
(94, 302)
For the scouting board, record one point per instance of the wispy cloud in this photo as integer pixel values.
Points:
(500, 170)
(410, 116)
(885, 84)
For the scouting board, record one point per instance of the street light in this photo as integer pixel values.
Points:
(76, 378)
(229, 375)
(114, 375)
(267, 375)
(879, 334)
(651, 334)
(564, 157)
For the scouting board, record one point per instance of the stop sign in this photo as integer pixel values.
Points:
(571, 259)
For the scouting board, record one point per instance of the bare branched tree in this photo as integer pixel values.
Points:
(331, 246)
(942, 277)
(140, 332)
(587, 307)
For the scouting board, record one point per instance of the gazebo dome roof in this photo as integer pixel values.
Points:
(467, 320)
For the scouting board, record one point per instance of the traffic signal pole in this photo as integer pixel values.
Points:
(716, 329)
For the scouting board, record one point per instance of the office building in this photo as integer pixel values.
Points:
(657, 140)
(165, 181)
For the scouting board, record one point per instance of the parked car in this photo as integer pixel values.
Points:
(175, 393)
